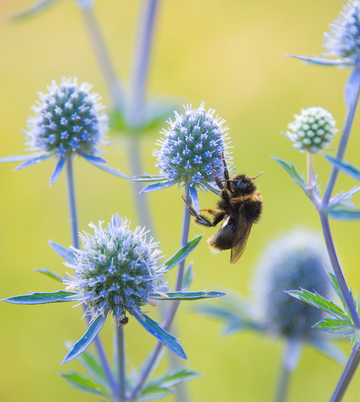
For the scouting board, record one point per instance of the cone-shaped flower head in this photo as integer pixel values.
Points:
(193, 142)
(294, 261)
(67, 119)
(312, 130)
(116, 271)
(344, 39)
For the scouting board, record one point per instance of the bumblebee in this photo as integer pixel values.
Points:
(239, 208)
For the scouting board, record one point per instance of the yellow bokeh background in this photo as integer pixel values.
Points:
(230, 54)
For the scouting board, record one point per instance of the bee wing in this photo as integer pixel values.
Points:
(241, 237)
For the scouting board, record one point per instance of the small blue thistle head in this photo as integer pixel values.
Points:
(68, 119)
(116, 272)
(296, 260)
(312, 130)
(344, 39)
(194, 142)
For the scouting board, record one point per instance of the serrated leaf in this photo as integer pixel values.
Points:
(161, 335)
(341, 197)
(49, 273)
(30, 11)
(343, 213)
(84, 384)
(335, 326)
(92, 367)
(182, 253)
(42, 298)
(293, 172)
(335, 285)
(186, 295)
(154, 393)
(318, 301)
(188, 276)
(346, 167)
(172, 379)
(62, 251)
(321, 61)
(85, 341)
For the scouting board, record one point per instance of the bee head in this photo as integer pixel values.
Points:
(242, 185)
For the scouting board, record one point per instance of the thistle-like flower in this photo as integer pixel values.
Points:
(295, 260)
(117, 273)
(193, 146)
(313, 130)
(68, 120)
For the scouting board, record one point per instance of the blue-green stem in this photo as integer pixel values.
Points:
(102, 55)
(347, 375)
(283, 382)
(70, 190)
(174, 304)
(120, 352)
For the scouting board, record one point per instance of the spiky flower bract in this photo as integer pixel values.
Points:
(193, 144)
(344, 39)
(67, 119)
(295, 260)
(116, 271)
(312, 130)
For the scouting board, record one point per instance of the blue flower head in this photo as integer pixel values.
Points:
(344, 39)
(116, 272)
(295, 260)
(68, 120)
(193, 146)
(312, 130)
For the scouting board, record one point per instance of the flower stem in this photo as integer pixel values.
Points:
(283, 384)
(70, 190)
(310, 180)
(347, 375)
(174, 304)
(103, 57)
(120, 352)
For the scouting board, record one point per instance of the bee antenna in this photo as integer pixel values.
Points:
(253, 178)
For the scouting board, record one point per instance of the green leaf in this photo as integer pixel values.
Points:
(186, 295)
(42, 298)
(335, 326)
(318, 301)
(84, 384)
(50, 274)
(150, 178)
(85, 341)
(177, 377)
(291, 169)
(92, 367)
(335, 285)
(63, 252)
(189, 276)
(154, 393)
(182, 253)
(343, 213)
(30, 11)
(345, 167)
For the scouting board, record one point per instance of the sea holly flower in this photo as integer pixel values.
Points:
(68, 120)
(312, 130)
(115, 274)
(193, 147)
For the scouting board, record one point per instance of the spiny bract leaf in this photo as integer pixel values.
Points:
(62, 251)
(318, 301)
(49, 273)
(182, 253)
(188, 276)
(345, 167)
(30, 11)
(186, 295)
(177, 377)
(335, 285)
(291, 169)
(147, 178)
(154, 393)
(321, 61)
(42, 298)
(335, 326)
(343, 213)
(84, 384)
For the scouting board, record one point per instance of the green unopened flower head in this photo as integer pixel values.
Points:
(312, 130)
(116, 272)
(67, 119)
(296, 260)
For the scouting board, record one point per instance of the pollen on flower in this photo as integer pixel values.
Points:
(67, 119)
(192, 143)
(313, 130)
(295, 260)
(116, 272)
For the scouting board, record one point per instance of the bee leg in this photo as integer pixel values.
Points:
(201, 220)
(226, 173)
(216, 178)
(210, 211)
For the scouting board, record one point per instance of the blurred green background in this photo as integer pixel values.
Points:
(231, 54)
